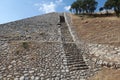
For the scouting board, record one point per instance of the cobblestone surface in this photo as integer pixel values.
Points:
(42, 61)
(38, 48)
(35, 28)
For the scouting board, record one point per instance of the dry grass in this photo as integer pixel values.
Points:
(102, 30)
(107, 74)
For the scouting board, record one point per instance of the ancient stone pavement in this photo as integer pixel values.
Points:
(40, 48)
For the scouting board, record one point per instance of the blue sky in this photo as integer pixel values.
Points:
(11, 10)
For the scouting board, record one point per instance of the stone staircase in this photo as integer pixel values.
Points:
(74, 58)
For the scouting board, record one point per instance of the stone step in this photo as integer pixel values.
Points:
(74, 60)
(81, 62)
(78, 68)
(77, 65)
(74, 55)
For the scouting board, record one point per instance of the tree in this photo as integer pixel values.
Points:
(84, 6)
(80, 3)
(116, 6)
(75, 7)
(92, 5)
(113, 4)
(101, 9)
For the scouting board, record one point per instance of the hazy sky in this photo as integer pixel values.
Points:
(11, 10)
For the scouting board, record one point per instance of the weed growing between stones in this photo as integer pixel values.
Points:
(25, 45)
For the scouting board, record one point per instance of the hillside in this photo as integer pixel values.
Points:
(101, 30)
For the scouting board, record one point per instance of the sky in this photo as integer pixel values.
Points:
(12, 10)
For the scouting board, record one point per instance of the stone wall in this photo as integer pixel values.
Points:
(105, 55)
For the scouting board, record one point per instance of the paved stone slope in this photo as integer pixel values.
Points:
(35, 28)
(38, 48)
